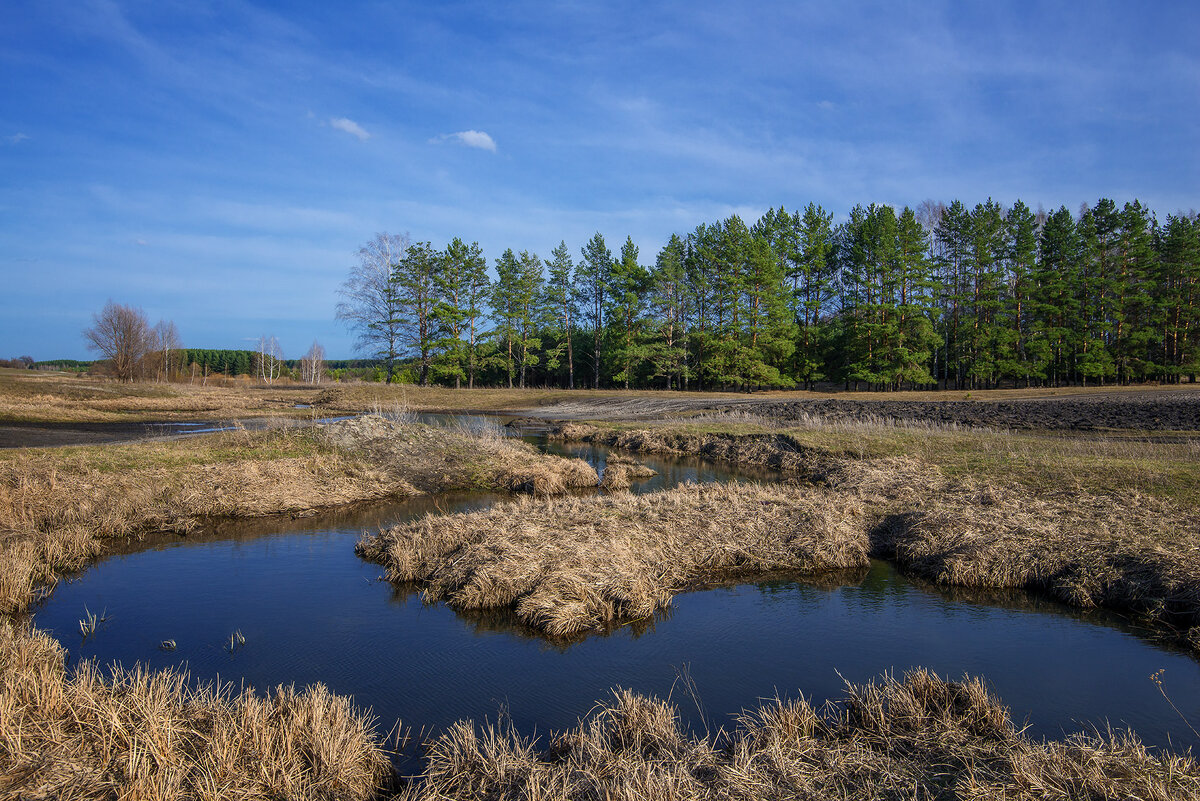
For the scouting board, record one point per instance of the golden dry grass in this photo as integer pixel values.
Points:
(1121, 551)
(621, 471)
(136, 734)
(570, 564)
(35, 397)
(918, 738)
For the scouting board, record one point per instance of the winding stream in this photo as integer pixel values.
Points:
(312, 611)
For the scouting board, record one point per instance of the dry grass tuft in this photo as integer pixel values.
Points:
(436, 459)
(918, 738)
(621, 471)
(1124, 551)
(567, 565)
(144, 735)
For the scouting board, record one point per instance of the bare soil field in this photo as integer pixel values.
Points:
(1165, 409)
(58, 409)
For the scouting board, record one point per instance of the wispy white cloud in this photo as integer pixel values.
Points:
(16, 138)
(349, 126)
(478, 139)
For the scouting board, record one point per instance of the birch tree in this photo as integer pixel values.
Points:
(312, 364)
(370, 304)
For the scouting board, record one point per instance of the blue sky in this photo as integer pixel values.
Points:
(220, 163)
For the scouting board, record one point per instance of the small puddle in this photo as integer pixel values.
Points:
(311, 611)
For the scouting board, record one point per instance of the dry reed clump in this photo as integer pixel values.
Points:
(153, 735)
(436, 459)
(917, 738)
(1125, 551)
(621, 471)
(567, 565)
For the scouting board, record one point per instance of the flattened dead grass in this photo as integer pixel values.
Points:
(35, 397)
(918, 738)
(567, 565)
(436, 459)
(59, 508)
(1160, 464)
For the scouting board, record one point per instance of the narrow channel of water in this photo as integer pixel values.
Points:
(312, 611)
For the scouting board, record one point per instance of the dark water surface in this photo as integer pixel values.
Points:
(312, 611)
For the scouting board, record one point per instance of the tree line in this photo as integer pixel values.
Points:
(942, 295)
(133, 350)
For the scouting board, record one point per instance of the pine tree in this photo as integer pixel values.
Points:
(592, 277)
(416, 280)
(954, 239)
(1097, 228)
(669, 302)
(987, 339)
(531, 314)
(1024, 358)
(560, 301)
(506, 310)
(453, 310)
(1054, 300)
(628, 282)
(812, 277)
(916, 338)
(1179, 296)
(769, 332)
(1133, 311)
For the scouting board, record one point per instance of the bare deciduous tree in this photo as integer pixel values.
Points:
(167, 356)
(371, 304)
(122, 334)
(312, 364)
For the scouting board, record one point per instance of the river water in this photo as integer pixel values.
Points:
(311, 611)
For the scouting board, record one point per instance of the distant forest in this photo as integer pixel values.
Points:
(938, 296)
(245, 362)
